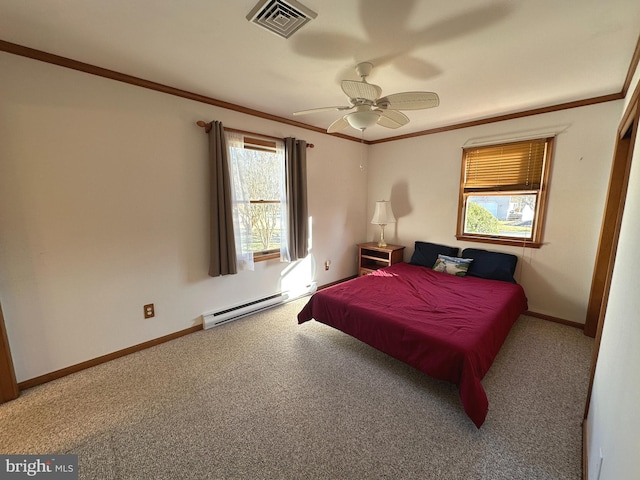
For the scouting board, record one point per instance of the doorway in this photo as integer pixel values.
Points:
(610, 231)
(612, 219)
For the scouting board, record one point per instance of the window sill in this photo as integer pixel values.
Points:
(263, 256)
(500, 241)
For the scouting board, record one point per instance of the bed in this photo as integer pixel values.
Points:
(448, 326)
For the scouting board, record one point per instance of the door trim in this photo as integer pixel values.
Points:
(8, 385)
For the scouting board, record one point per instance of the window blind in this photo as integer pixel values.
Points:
(507, 167)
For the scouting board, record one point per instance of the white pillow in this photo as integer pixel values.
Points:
(452, 265)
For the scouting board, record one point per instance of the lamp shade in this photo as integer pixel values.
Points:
(383, 215)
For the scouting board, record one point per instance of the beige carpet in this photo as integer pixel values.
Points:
(265, 398)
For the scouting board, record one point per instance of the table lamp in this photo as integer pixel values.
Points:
(383, 215)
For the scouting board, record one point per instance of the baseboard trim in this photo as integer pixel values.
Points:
(554, 319)
(327, 285)
(63, 372)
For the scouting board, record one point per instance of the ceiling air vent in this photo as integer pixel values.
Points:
(280, 17)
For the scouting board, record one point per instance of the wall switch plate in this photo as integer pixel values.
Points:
(149, 311)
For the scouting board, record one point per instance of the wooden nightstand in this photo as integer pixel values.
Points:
(371, 257)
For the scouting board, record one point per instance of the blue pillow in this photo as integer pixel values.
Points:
(426, 254)
(491, 265)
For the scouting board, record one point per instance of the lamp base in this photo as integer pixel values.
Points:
(382, 243)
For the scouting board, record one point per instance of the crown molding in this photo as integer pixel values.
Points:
(140, 82)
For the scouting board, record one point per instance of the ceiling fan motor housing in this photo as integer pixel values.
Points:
(364, 69)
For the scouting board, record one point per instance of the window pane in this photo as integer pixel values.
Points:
(265, 222)
(264, 183)
(263, 172)
(500, 215)
(260, 173)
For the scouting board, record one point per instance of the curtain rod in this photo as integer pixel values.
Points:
(207, 127)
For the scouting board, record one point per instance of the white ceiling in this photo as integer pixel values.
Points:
(483, 57)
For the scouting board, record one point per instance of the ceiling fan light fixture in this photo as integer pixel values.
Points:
(363, 119)
(372, 110)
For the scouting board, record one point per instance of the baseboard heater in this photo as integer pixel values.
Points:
(214, 319)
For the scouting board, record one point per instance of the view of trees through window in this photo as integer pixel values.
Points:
(262, 177)
(500, 215)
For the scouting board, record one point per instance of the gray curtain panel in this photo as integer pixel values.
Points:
(222, 243)
(296, 178)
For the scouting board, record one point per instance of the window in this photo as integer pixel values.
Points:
(257, 186)
(503, 192)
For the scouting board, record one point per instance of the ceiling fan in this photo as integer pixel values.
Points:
(370, 108)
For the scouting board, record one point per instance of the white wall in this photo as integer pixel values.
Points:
(103, 208)
(614, 411)
(421, 176)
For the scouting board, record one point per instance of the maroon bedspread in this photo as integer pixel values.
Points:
(449, 327)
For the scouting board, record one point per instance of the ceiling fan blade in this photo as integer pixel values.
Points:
(409, 101)
(338, 125)
(321, 109)
(392, 119)
(367, 91)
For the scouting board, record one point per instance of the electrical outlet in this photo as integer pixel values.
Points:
(149, 311)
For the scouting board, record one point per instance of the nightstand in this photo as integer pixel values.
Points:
(371, 257)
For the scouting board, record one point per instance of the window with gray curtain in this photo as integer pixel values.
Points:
(257, 191)
(268, 197)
